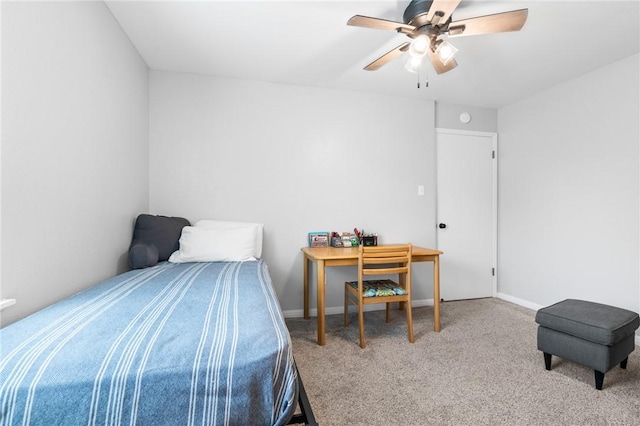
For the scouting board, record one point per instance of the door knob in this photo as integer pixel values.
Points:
(442, 225)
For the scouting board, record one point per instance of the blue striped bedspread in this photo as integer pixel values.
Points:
(175, 344)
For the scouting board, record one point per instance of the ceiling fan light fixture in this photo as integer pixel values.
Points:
(413, 63)
(445, 51)
(419, 46)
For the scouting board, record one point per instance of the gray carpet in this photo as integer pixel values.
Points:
(483, 368)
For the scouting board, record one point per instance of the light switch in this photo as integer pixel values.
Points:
(420, 189)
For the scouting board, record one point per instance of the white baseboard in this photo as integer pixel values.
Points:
(5, 303)
(299, 313)
(520, 302)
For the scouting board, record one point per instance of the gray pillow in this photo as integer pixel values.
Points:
(154, 239)
(142, 255)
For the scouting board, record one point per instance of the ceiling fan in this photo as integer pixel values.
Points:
(426, 21)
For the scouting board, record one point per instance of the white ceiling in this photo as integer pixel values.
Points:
(307, 42)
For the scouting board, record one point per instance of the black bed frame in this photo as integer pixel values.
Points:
(306, 416)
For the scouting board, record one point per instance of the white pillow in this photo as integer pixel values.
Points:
(215, 245)
(221, 224)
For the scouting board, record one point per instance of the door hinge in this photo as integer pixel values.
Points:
(493, 272)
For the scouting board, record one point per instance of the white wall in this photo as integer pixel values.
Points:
(297, 159)
(2, 300)
(76, 162)
(74, 149)
(569, 188)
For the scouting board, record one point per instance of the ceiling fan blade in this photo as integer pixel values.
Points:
(387, 57)
(378, 24)
(438, 65)
(497, 23)
(441, 10)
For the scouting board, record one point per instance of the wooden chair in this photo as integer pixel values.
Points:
(380, 260)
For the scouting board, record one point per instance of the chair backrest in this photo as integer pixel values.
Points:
(384, 260)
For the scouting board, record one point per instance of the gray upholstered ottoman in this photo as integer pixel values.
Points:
(592, 334)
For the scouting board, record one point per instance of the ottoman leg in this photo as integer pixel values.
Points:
(599, 379)
(623, 364)
(547, 361)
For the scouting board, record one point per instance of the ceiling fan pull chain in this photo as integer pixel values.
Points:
(426, 77)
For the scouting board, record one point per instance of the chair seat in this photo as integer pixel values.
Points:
(379, 288)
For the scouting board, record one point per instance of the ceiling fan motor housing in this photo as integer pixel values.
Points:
(416, 13)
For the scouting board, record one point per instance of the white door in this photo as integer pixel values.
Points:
(466, 213)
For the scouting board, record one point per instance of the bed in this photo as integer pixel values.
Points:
(171, 344)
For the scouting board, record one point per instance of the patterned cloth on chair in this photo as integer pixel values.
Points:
(377, 288)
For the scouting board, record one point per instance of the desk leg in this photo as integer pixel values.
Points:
(436, 294)
(321, 291)
(306, 286)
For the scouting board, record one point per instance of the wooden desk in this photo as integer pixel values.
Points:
(325, 257)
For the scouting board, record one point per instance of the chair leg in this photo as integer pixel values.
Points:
(623, 364)
(346, 306)
(409, 320)
(599, 379)
(361, 322)
(388, 319)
